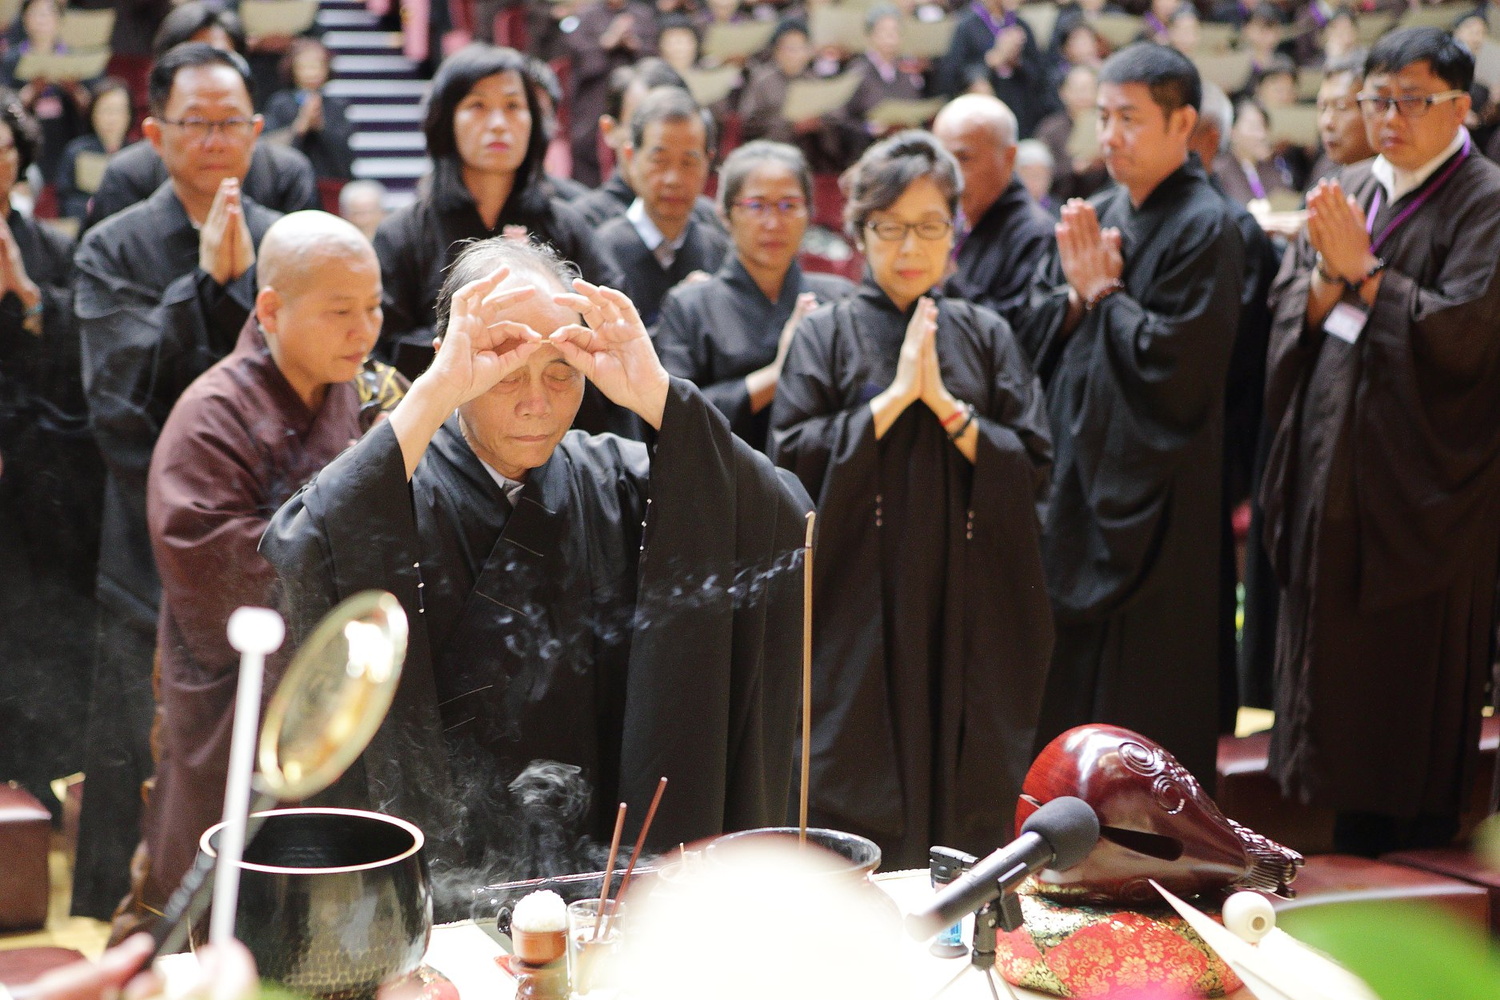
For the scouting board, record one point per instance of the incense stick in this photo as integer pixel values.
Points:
(640, 840)
(807, 592)
(609, 870)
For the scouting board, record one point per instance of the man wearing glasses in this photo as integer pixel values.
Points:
(1382, 490)
(162, 290)
(1131, 326)
(1008, 232)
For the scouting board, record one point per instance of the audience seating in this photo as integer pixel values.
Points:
(25, 836)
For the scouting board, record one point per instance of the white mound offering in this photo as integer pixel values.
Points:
(538, 927)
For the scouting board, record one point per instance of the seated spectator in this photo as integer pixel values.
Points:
(1246, 172)
(60, 107)
(1081, 46)
(657, 243)
(79, 173)
(1274, 85)
(1156, 22)
(362, 203)
(1076, 12)
(993, 47)
(1035, 167)
(1261, 35)
(311, 121)
(730, 335)
(1071, 138)
(485, 134)
(678, 42)
(280, 178)
(829, 142)
(886, 76)
(1338, 38)
(607, 34)
(1183, 31)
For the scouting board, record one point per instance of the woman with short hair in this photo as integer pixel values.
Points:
(917, 425)
(730, 334)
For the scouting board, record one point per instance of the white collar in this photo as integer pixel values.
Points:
(650, 235)
(508, 486)
(1400, 183)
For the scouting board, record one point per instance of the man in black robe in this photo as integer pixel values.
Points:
(657, 242)
(1009, 233)
(1131, 328)
(1244, 393)
(162, 291)
(572, 600)
(628, 86)
(1382, 487)
(279, 176)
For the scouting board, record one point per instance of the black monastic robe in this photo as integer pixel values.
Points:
(932, 633)
(633, 616)
(644, 278)
(997, 259)
(150, 322)
(716, 332)
(1136, 397)
(1382, 500)
(417, 244)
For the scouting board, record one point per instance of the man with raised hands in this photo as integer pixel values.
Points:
(628, 614)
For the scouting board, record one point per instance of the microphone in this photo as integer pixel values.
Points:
(1059, 835)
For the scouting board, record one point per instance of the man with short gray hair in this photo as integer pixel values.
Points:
(1008, 232)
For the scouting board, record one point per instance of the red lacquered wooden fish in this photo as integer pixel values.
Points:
(1155, 823)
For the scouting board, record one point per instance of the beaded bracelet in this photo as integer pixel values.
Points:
(1092, 302)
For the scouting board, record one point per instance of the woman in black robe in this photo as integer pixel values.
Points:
(729, 335)
(919, 428)
(486, 135)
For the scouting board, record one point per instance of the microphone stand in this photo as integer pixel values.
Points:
(1003, 913)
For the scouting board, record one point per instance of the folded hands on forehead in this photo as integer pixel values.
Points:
(496, 326)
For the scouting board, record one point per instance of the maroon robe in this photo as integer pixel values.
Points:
(1382, 510)
(238, 443)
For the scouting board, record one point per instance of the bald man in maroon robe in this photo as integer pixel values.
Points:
(241, 440)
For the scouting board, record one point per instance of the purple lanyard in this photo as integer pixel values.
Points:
(1416, 203)
(1319, 18)
(989, 19)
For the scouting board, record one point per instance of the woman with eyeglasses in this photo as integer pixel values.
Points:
(487, 138)
(729, 335)
(917, 425)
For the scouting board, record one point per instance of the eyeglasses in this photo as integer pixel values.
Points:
(895, 232)
(201, 129)
(1340, 105)
(760, 207)
(1374, 105)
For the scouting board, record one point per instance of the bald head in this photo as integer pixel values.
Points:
(298, 248)
(981, 114)
(319, 300)
(980, 132)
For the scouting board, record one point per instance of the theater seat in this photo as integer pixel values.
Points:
(1249, 795)
(25, 836)
(1459, 863)
(1338, 878)
(19, 966)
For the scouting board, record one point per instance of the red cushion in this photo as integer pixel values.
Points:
(25, 836)
(19, 966)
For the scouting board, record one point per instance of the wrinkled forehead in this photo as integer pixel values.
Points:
(538, 311)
